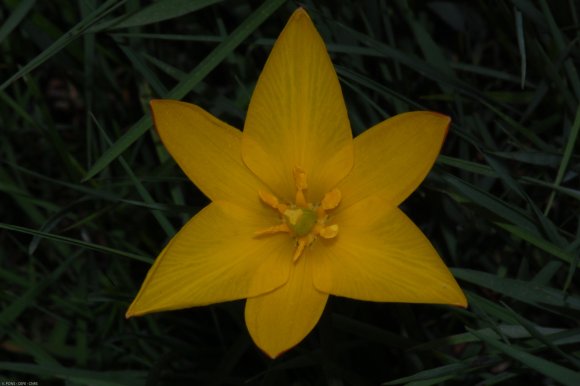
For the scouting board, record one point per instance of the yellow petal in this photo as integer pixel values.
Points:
(297, 116)
(215, 258)
(393, 157)
(380, 255)
(208, 151)
(279, 320)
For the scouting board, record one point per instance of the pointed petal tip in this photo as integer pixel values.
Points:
(439, 119)
(432, 119)
(132, 311)
(159, 103)
(462, 301)
(442, 120)
(156, 103)
(300, 12)
(273, 354)
(456, 297)
(441, 115)
(445, 120)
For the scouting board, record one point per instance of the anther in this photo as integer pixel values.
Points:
(331, 199)
(329, 232)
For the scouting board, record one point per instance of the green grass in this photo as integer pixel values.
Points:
(89, 196)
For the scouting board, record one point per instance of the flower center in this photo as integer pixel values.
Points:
(304, 221)
(300, 221)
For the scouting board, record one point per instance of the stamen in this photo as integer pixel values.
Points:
(268, 198)
(272, 201)
(281, 228)
(301, 186)
(299, 178)
(302, 241)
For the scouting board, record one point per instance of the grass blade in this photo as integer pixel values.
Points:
(63, 41)
(194, 77)
(522, 290)
(568, 151)
(550, 369)
(15, 18)
(76, 242)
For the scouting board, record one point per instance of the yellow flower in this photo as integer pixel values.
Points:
(299, 210)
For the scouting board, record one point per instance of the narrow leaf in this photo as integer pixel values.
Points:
(194, 77)
(550, 369)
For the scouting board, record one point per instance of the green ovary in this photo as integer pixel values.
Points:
(300, 221)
